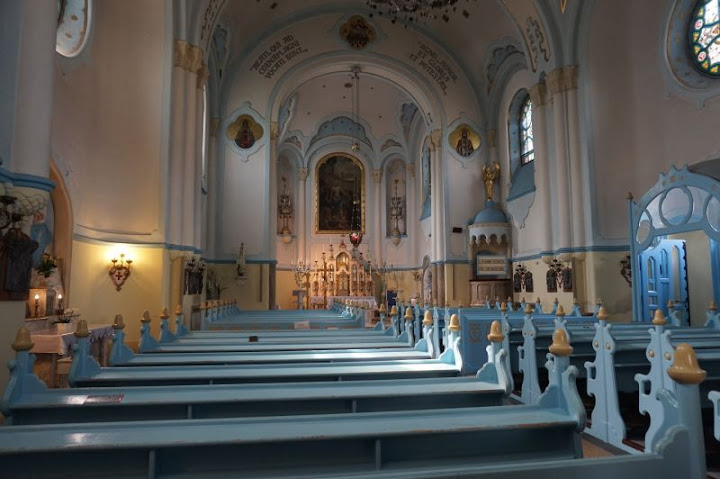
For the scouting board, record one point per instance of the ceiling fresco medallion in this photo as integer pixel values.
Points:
(357, 32)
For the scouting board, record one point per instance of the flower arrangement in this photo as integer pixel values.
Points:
(47, 265)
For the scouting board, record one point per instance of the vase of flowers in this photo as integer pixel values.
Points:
(47, 265)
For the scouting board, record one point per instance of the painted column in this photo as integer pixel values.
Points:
(202, 77)
(562, 184)
(377, 223)
(436, 194)
(177, 145)
(191, 66)
(411, 211)
(542, 205)
(577, 186)
(212, 196)
(30, 153)
(300, 226)
(272, 188)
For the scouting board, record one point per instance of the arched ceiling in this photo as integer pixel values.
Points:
(463, 42)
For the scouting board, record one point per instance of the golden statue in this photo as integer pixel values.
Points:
(489, 175)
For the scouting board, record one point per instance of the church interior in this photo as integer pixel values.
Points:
(206, 174)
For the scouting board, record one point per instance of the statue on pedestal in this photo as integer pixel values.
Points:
(489, 175)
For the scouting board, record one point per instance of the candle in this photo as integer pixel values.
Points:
(37, 297)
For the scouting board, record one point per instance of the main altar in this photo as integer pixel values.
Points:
(338, 275)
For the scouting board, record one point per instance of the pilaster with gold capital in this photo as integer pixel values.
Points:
(180, 51)
(202, 76)
(411, 170)
(538, 94)
(274, 130)
(302, 174)
(377, 176)
(435, 139)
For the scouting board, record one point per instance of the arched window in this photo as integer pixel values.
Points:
(705, 36)
(521, 143)
(527, 145)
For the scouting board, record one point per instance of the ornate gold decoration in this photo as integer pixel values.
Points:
(377, 176)
(538, 94)
(560, 345)
(435, 139)
(302, 174)
(562, 79)
(659, 318)
(180, 52)
(274, 130)
(685, 368)
(118, 323)
(454, 323)
(489, 176)
(81, 330)
(357, 32)
(563, 5)
(496, 335)
(22, 340)
(120, 271)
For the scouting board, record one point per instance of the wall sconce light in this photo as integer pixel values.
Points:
(120, 271)
(37, 305)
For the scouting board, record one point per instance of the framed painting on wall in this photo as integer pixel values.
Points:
(339, 194)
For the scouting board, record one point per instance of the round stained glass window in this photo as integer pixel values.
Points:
(705, 36)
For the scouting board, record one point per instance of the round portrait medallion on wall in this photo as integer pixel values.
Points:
(244, 131)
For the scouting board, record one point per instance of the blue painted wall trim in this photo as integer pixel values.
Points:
(28, 181)
(247, 261)
(168, 246)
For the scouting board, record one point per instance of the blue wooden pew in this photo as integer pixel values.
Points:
(29, 401)
(86, 371)
(507, 441)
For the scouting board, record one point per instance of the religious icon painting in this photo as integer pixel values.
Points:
(551, 280)
(464, 140)
(244, 131)
(357, 32)
(529, 287)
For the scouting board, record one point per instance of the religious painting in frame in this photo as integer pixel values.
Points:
(339, 194)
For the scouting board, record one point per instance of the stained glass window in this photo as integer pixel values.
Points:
(705, 36)
(527, 145)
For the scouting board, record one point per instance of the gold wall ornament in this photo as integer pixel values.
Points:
(563, 5)
(489, 176)
(464, 140)
(357, 32)
(244, 131)
(120, 271)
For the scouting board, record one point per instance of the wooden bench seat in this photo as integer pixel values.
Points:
(251, 447)
(192, 402)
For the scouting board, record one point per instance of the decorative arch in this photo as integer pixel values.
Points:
(63, 227)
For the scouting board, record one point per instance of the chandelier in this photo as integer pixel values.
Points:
(409, 11)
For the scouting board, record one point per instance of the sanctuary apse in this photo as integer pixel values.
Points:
(174, 132)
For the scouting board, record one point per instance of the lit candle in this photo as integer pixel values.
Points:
(37, 297)
(60, 300)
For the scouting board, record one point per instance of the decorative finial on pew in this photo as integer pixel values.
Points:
(503, 308)
(393, 310)
(178, 310)
(164, 313)
(81, 331)
(713, 305)
(382, 309)
(528, 308)
(557, 301)
(22, 340)
(454, 323)
(145, 317)
(685, 368)
(602, 314)
(670, 304)
(575, 301)
(496, 335)
(598, 302)
(428, 319)
(560, 311)
(118, 323)
(560, 345)
(659, 318)
(629, 196)
(408, 314)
